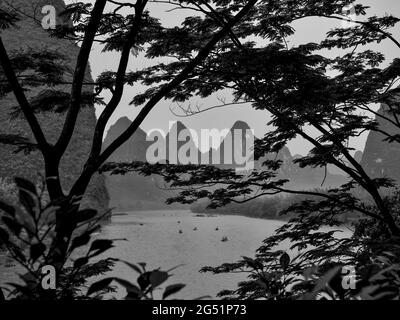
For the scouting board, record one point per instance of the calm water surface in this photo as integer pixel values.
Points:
(154, 237)
(165, 239)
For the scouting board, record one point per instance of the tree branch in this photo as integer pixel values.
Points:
(22, 100)
(119, 84)
(79, 76)
(181, 77)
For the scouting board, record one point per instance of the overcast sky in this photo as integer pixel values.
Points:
(307, 30)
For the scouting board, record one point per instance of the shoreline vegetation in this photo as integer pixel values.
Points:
(267, 208)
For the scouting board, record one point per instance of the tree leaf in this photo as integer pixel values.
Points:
(144, 280)
(3, 236)
(203, 298)
(25, 184)
(99, 246)
(83, 239)
(158, 277)
(7, 208)
(129, 287)
(132, 266)
(85, 215)
(28, 195)
(79, 241)
(81, 262)
(29, 202)
(37, 250)
(172, 289)
(99, 285)
(323, 281)
(143, 265)
(17, 252)
(12, 225)
(253, 263)
(284, 261)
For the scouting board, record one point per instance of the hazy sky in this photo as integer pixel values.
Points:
(307, 30)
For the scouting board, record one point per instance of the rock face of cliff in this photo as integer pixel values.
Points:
(30, 34)
(382, 159)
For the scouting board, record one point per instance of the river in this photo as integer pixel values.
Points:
(165, 239)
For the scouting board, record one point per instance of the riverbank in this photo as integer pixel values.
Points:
(267, 208)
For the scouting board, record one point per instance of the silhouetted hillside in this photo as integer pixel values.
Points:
(133, 191)
(29, 34)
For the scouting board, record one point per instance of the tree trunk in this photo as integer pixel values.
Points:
(386, 215)
(63, 229)
(53, 182)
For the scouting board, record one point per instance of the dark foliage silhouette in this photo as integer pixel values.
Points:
(127, 29)
(296, 86)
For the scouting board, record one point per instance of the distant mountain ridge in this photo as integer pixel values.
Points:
(135, 192)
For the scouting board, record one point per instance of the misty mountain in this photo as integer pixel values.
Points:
(134, 192)
(381, 158)
(300, 178)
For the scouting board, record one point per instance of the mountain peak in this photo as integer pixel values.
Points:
(240, 125)
(123, 122)
(179, 126)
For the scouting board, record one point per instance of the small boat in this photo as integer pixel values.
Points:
(224, 239)
(216, 229)
(180, 231)
(195, 229)
(179, 222)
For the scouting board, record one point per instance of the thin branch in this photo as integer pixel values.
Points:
(188, 112)
(22, 100)
(119, 84)
(366, 24)
(79, 76)
(178, 79)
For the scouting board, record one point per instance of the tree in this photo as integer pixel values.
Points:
(300, 87)
(295, 85)
(124, 27)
